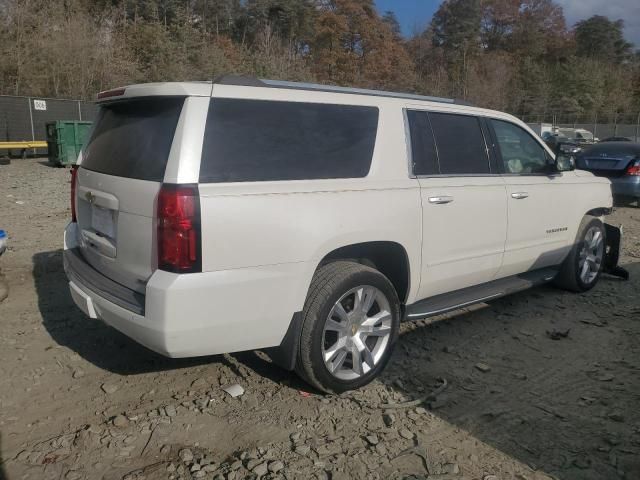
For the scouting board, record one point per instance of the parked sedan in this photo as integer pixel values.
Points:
(619, 162)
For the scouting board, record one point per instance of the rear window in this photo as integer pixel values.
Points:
(460, 144)
(256, 140)
(133, 138)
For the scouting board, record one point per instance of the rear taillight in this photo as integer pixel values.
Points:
(74, 181)
(179, 247)
(634, 169)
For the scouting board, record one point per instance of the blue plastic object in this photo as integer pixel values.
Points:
(3, 241)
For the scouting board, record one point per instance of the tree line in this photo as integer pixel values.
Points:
(513, 55)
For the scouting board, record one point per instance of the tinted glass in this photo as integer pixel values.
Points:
(521, 153)
(255, 140)
(132, 139)
(423, 151)
(460, 144)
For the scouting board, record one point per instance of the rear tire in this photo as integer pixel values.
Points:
(582, 268)
(350, 324)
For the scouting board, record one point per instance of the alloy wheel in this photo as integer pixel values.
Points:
(591, 254)
(356, 332)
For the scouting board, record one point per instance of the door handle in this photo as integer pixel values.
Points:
(440, 199)
(519, 195)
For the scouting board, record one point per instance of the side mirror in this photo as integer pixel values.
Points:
(565, 163)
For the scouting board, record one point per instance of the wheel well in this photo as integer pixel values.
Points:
(599, 212)
(389, 258)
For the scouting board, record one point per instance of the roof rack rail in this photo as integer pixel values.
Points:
(265, 83)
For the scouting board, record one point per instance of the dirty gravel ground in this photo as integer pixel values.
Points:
(78, 400)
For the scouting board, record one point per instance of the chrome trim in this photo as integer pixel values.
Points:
(354, 91)
(441, 200)
(454, 307)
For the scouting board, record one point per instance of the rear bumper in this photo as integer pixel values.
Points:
(627, 186)
(194, 314)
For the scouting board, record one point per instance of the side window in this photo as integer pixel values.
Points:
(521, 153)
(460, 144)
(257, 140)
(423, 149)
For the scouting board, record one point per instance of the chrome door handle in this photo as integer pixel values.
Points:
(440, 200)
(519, 195)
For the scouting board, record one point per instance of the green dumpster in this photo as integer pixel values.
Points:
(65, 139)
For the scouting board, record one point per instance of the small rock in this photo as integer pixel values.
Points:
(388, 419)
(295, 436)
(612, 440)
(452, 468)
(616, 416)
(186, 455)
(261, 469)
(165, 449)
(120, 421)
(381, 450)
(254, 462)
(302, 449)
(404, 433)
(199, 474)
(449, 349)
(170, 411)
(558, 334)
(421, 410)
(171, 468)
(73, 475)
(276, 466)
(490, 477)
(78, 373)
(483, 367)
(372, 439)
(605, 377)
(109, 388)
(195, 468)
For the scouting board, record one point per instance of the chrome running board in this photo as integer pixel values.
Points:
(466, 297)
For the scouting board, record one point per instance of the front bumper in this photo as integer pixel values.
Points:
(626, 186)
(192, 314)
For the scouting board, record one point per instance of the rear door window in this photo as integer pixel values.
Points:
(257, 140)
(460, 144)
(423, 147)
(133, 138)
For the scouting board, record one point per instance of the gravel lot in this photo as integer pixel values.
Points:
(78, 400)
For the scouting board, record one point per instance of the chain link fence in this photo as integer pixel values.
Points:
(603, 126)
(24, 118)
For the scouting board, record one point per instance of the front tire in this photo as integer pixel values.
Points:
(350, 324)
(583, 266)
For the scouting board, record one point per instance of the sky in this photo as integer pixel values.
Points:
(414, 15)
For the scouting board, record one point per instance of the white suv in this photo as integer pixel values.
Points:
(309, 221)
